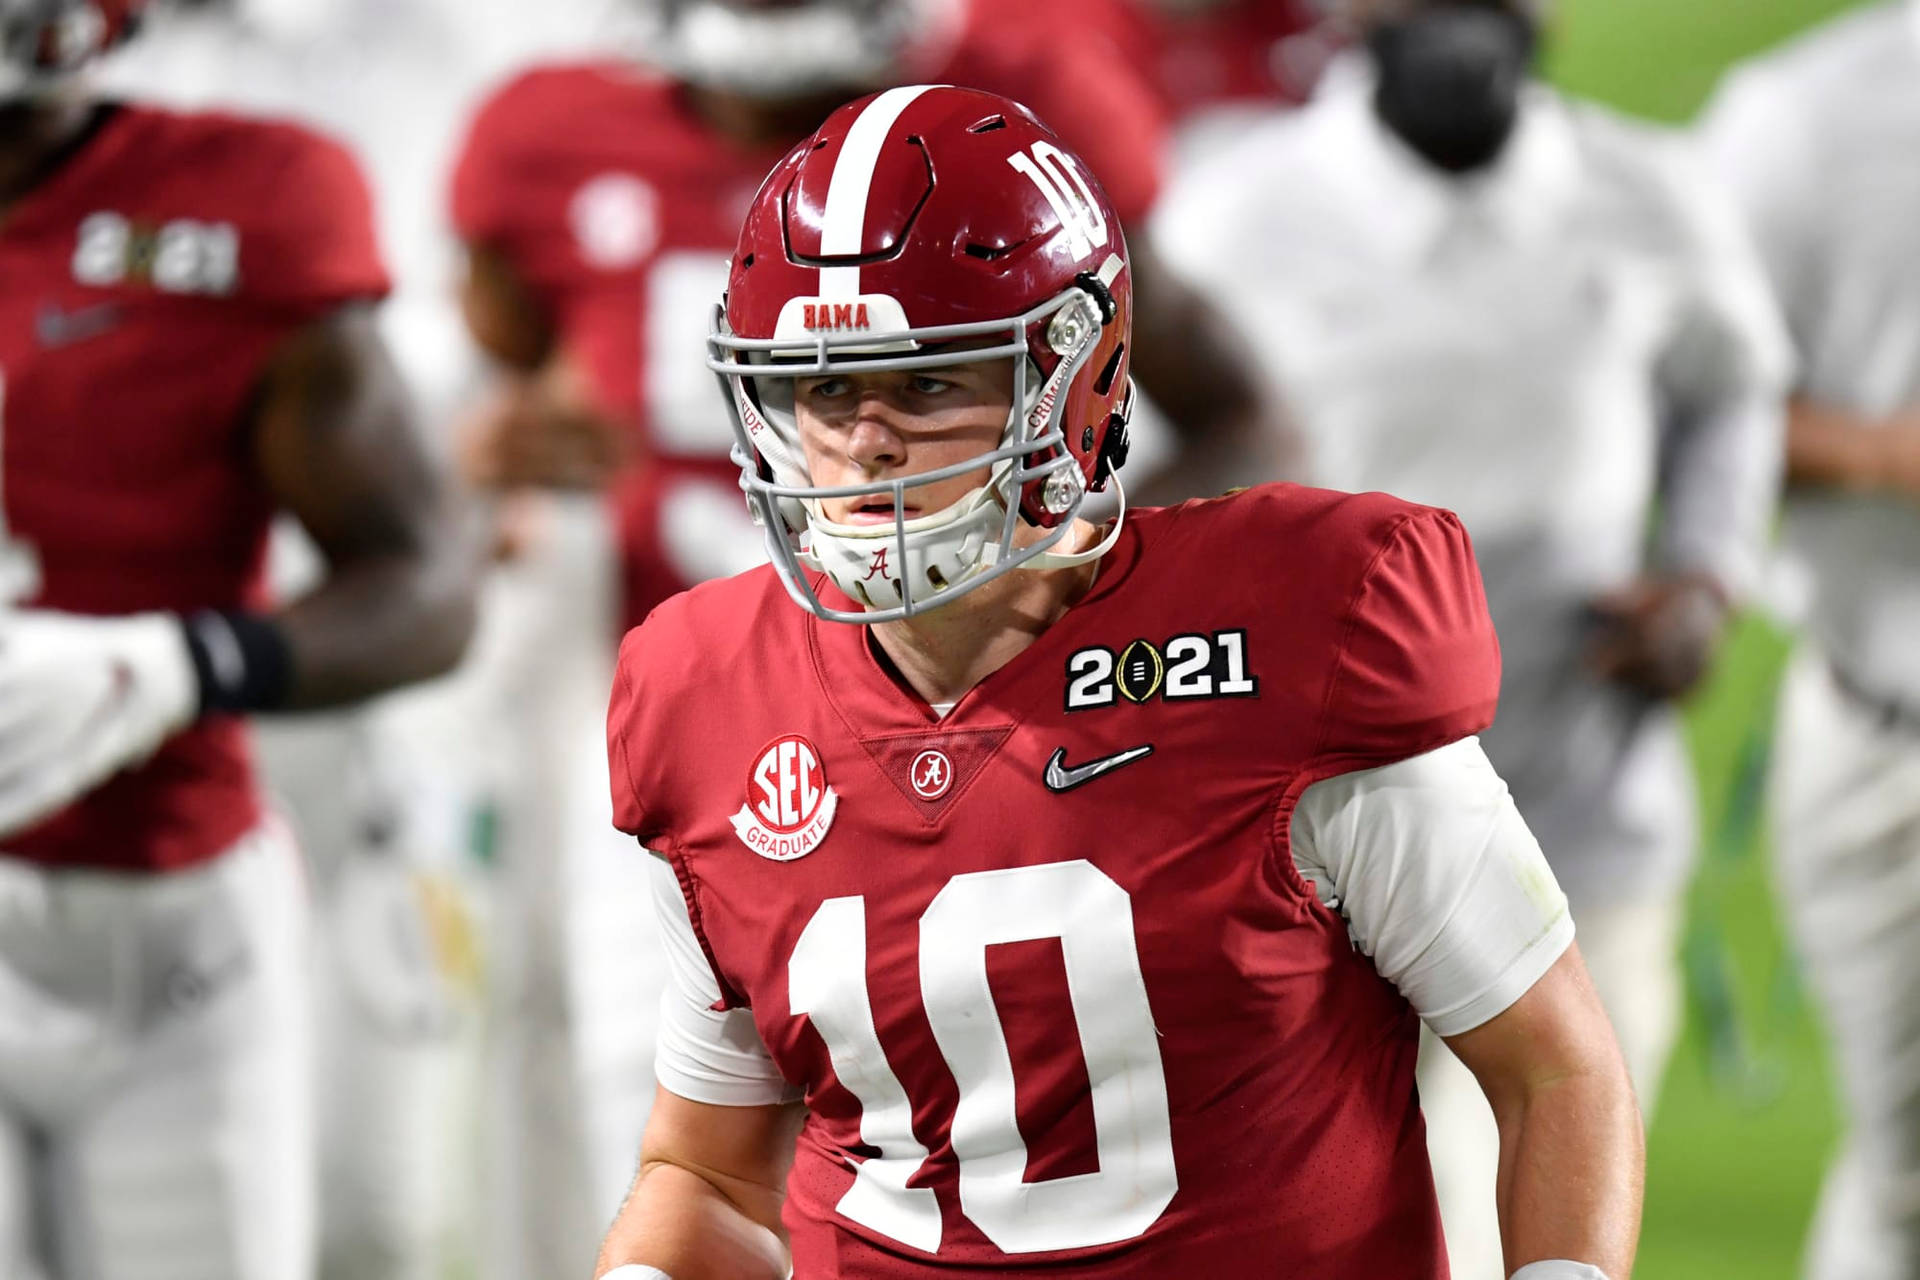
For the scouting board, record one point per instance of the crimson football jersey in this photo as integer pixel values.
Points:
(144, 286)
(1056, 994)
(1245, 52)
(619, 208)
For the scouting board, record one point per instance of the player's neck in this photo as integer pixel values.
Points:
(942, 654)
(36, 138)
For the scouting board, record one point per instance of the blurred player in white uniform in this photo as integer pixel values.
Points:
(1819, 143)
(1483, 296)
(388, 802)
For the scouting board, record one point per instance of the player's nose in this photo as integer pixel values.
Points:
(876, 444)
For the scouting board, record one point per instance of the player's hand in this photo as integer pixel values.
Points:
(1900, 455)
(81, 699)
(1657, 635)
(543, 432)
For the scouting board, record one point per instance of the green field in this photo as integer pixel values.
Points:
(1746, 1118)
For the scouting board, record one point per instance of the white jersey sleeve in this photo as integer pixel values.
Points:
(705, 1054)
(1439, 880)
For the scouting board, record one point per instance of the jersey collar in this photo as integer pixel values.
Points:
(1406, 205)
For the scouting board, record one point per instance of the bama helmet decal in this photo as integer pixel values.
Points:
(789, 807)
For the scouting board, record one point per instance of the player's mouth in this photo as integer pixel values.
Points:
(875, 511)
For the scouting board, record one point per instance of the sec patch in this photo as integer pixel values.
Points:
(790, 805)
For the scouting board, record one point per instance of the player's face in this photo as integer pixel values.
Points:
(858, 428)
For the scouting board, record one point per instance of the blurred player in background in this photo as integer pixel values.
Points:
(1483, 296)
(391, 802)
(1215, 64)
(191, 348)
(599, 202)
(1819, 143)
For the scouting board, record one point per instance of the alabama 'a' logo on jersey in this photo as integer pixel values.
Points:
(789, 806)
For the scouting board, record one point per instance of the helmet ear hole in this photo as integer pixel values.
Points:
(1113, 452)
(1104, 383)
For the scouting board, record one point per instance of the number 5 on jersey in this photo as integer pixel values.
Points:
(1092, 917)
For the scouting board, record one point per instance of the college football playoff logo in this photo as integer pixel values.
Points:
(1140, 671)
(789, 806)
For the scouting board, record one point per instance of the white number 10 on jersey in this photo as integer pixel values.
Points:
(1093, 919)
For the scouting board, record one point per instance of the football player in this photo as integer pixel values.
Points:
(1816, 142)
(1529, 311)
(389, 799)
(187, 347)
(599, 202)
(1044, 898)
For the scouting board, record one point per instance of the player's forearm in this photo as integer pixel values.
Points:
(340, 449)
(681, 1223)
(1722, 484)
(382, 622)
(1572, 1160)
(1835, 448)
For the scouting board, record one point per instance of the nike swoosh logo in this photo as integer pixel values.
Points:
(1061, 778)
(57, 328)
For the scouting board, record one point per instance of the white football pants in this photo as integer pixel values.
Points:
(396, 995)
(1632, 950)
(1845, 793)
(575, 969)
(156, 1114)
(379, 797)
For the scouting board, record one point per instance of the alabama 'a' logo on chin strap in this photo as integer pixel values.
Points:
(790, 807)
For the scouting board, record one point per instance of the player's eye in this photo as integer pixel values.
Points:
(923, 385)
(826, 388)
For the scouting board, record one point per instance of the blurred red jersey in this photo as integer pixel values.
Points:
(1059, 1000)
(147, 282)
(1237, 52)
(619, 207)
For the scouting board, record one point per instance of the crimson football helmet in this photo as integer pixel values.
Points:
(773, 49)
(920, 227)
(43, 41)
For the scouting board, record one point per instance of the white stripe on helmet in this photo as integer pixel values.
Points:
(844, 226)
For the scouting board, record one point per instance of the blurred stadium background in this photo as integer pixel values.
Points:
(1746, 1118)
